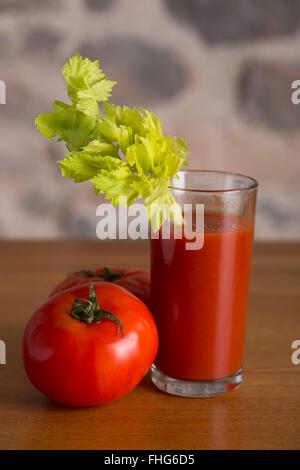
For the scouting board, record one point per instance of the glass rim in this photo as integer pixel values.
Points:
(252, 182)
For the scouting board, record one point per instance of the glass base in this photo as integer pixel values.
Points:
(196, 389)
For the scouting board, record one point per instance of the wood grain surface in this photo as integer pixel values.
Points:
(264, 413)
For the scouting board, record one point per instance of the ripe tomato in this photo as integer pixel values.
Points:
(137, 281)
(89, 345)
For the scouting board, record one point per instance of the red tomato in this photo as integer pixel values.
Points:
(137, 281)
(89, 345)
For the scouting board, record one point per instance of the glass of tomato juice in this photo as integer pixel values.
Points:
(199, 297)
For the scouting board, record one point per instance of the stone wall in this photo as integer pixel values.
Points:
(217, 72)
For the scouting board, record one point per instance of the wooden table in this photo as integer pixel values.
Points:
(263, 413)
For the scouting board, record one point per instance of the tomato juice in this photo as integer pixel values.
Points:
(199, 300)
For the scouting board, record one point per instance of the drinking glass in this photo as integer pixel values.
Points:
(199, 297)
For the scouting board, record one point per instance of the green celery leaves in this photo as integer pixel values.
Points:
(122, 151)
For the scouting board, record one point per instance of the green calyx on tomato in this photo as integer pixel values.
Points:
(107, 275)
(89, 311)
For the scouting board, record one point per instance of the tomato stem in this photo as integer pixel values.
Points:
(89, 311)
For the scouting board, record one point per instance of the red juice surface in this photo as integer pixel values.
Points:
(199, 300)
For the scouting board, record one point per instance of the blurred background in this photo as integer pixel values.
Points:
(217, 72)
